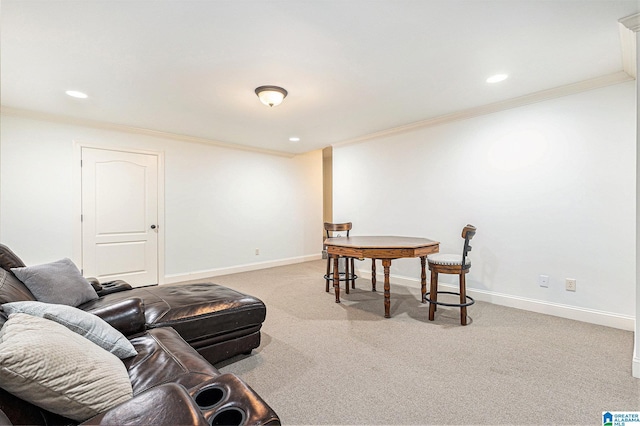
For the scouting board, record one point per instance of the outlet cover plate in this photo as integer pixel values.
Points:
(571, 284)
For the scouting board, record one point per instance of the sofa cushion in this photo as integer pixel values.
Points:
(197, 311)
(163, 357)
(217, 321)
(50, 366)
(56, 282)
(85, 324)
(203, 310)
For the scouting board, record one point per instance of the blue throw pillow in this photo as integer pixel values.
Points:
(85, 324)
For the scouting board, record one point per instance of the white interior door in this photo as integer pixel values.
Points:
(120, 216)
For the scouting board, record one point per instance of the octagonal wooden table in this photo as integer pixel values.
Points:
(385, 248)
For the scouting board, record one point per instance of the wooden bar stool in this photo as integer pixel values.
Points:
(441, 263)
(349, 274)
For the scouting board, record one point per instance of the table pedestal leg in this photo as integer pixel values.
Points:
(386, 263)
(336, 279)
(373, 275)
(423, 282)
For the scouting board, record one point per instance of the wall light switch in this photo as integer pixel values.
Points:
(543, 280)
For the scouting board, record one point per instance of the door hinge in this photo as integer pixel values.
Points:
(80, 163)
(81, 218)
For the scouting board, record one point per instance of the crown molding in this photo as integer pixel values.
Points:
(96, 124)
(631, 22)
(628, 28)
(544, 95)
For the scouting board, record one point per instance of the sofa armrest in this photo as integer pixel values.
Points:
(126, 316)
(95, 283)
(112, 287)
(228, 400)
(165, 404)
(108, 287)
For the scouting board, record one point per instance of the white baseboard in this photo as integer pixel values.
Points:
(197, 275)
(635, 365)
(609, 319)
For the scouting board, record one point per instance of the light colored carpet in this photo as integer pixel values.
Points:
(327, 363)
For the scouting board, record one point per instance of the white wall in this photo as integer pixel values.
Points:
(550, 187)
(636, 351)
(220, 204)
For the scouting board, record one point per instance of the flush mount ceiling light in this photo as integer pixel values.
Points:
(271, 95)
(497, 78)
(294, 139)
(76, 94)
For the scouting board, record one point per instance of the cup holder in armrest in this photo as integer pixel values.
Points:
(229, 416)
(210, 396)
(227, 400)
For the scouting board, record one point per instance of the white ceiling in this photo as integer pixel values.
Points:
(352, 67)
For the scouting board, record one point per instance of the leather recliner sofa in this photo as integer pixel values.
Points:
(172, 384)
(217, 321)
(179, 332)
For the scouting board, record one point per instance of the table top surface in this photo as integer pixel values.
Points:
(382, 241)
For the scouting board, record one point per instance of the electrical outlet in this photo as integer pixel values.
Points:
(543, 280)
(571, 284)
(257, 252)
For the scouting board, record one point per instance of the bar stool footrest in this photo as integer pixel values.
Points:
(341, 276)
(455, 305)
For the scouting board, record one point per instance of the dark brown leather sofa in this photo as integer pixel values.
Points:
(179, 332)
(217, 321)
(172, 384)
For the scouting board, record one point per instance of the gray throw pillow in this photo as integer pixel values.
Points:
(85, 324)
(56, 282)
(54, 368)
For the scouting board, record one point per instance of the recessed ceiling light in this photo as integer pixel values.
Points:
(76, 94)
(497, 78)
(294, 139)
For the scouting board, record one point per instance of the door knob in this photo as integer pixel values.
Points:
(153, 227)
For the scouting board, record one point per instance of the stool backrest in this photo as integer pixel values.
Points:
(336, 227)
(467, 233)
